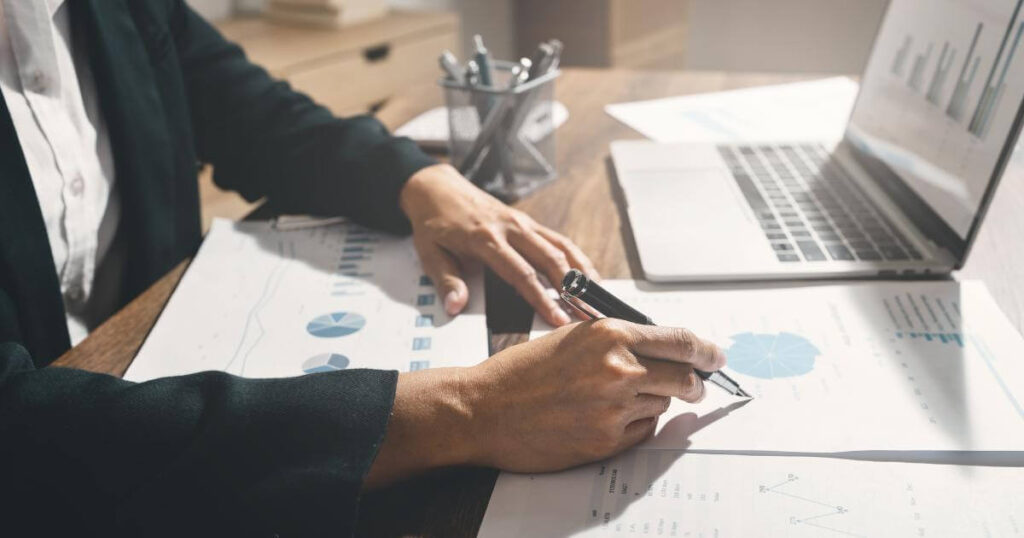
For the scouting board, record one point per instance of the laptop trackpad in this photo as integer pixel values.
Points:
(694, 222)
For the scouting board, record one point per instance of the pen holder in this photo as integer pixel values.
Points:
(503, 138)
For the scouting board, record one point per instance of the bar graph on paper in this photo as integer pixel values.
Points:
(925, 66)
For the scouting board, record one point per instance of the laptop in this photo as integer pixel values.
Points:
(902, 194)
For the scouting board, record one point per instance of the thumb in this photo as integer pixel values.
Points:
(443, 270)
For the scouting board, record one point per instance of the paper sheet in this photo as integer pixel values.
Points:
(263, 302)
(894, 366)
(430, 129)
(815, 110)
(669, 493)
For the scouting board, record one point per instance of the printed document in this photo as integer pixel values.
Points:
(672, 493)
(886, 366)
(258, 301)
(815, 110)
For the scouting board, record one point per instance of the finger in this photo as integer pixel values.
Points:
(649, 405)
(443, 270)
(676, 344)
(577, 258)
(669, 378)
(542, 254)
(515, 270)
(638, 431)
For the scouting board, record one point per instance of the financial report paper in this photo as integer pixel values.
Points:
(813, 110)
(258, 301)
(899, 366)
(645, 492)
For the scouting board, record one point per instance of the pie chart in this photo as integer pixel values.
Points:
(771, 356)
(336, 324)
(326, 362)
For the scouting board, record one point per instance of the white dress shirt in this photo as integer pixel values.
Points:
(49, 90)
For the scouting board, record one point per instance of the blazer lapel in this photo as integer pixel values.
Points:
(27, 271)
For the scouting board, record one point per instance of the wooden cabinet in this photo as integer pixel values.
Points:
(354, 69)
(642, 34)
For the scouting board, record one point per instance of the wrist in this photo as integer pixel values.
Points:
(419, 187)
(432, 425)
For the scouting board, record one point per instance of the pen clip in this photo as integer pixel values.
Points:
(580, 306)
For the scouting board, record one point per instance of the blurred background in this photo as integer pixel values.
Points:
(801, 36)
(390, 47)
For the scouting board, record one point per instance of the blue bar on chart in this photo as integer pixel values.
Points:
(955, 109)
(994, 85)
(917, 71)
(941, 72)
(901, 56)
(421, 343)
(945, 338)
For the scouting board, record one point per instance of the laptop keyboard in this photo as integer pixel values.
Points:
(809, 209)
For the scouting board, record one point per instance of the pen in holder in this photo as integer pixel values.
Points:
(502, 137)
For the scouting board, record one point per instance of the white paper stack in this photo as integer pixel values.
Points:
(880, 409)
(329, 13)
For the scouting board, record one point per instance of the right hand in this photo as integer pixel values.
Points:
(579, 394)
(582, 393)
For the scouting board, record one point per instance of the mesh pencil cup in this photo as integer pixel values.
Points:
(503, 138)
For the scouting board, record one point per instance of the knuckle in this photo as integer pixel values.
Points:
(520, 220)
(694, 388)
(665, 403)
(486, 235)
(619, 369)
(559, 259)
(689, 382)
(610, 330)
(686, 341)
(526, 276)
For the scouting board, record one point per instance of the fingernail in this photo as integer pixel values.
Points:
(561, 317)
(451, 303)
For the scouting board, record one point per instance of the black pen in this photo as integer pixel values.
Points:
(576, 285)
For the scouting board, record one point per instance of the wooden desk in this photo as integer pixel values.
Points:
(580, 204)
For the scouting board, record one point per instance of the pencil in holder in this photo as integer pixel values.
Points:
(503, 137)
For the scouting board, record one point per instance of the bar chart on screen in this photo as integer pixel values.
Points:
(995, 84)
(941, 96)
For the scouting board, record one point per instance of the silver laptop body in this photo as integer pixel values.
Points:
(901, 195)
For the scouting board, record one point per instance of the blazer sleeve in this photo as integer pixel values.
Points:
(85, 454)
(265, 139)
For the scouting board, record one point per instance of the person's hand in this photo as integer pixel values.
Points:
(585, 392)
(452, 220)
(579, 394)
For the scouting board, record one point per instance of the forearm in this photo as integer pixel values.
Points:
(431, 426)
(234, 455)
(265, 139)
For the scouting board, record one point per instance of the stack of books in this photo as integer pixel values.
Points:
(329, 13)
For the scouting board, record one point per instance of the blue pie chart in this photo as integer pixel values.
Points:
(326, 362)
(336, 324)
(771, 356)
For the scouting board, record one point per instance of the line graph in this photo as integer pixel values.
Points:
(254, 330)
(831, 511)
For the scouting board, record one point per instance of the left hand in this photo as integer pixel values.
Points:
(452, 220)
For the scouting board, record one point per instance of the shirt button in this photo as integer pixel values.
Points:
(77, 186)
(75, 293)
(38, 82)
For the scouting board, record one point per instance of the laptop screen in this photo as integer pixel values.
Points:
(940, 100)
